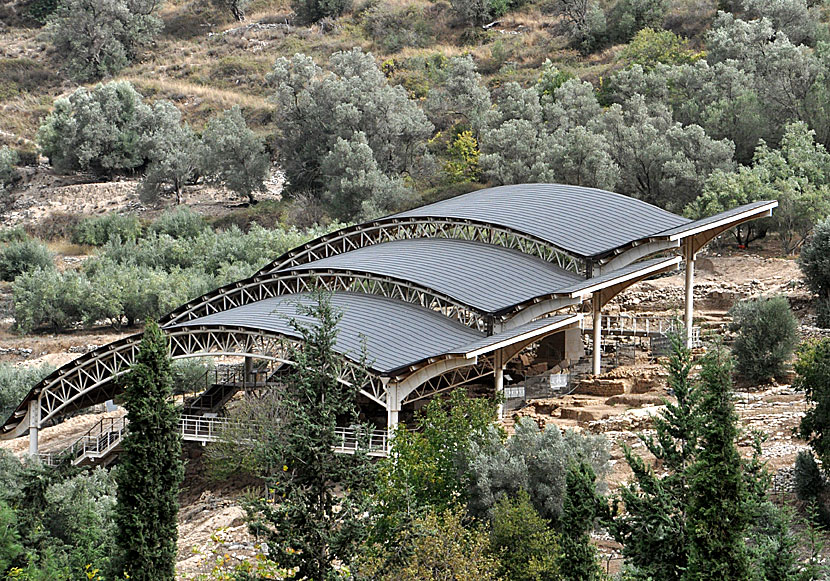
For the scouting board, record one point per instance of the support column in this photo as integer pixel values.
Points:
(597, 313)
(393, 407)
(688, 320)
(247, 368)
(498, 365)
(34, 425)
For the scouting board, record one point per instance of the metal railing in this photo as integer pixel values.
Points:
(105, 438)
(355, 438)
(641, 326)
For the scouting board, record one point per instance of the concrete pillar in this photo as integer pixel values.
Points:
(34, 425)
(688, 320)
(393, 407)
(498, 365)
(596, 367)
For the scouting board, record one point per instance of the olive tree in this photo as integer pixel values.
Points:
(174, 155)
(97, 38)
(317, 111)
(233, 154)
(101, 130)
(660, 160)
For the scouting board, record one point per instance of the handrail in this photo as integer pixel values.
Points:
(99, 442)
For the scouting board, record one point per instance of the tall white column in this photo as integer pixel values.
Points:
(34, 425)
(393, 407)
(498, 365)
(688, 320)
(597, 355)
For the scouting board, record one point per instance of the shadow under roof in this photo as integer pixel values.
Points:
(584, 221)
(483, 276)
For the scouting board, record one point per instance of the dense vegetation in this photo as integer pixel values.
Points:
(696, 106)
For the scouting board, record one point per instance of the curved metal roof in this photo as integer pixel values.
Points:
(484, 276)
(396, 333)
(584, 221)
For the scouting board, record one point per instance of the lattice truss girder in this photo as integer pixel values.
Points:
(307, 281)
(91, 379)
(404, 229)
(451, 379)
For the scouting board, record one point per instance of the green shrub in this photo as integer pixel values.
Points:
(102, 130)
(24, 256)
(181, 222)
(309, 11)
(649, 47)
(58, 301)
(630, 16)
(767, 336)
(815, 260)
(394, 28)
(189, 374)
(15, 234)
(527, 548)
(823, 313)
(99, 230)
(809, 482)
(8, 168)
(15, 383)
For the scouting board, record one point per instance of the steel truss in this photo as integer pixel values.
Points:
(451, 380)
(90, 379)
(426, 227)
(259, 288)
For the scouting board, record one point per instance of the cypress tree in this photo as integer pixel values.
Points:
(653, 528)
(717, 510)
(317, 516)
(150, 469)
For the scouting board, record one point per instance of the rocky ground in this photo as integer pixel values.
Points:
(211, 519)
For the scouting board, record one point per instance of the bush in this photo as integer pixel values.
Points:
(24, 256)
(767, 336)
(15, 234)
(394, 28)
(97, 38)
(309, 11)
(527, 548)
(56, 300)
(630, 16)
(8, 168)
(534, 460)
(809, 482)
(102, 130)
(99, 230)
(189, 374)
(815, 261)
(181, 222)
(15, 383)
(650, 47)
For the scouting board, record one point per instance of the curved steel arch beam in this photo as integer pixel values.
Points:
(89, 379)
(262, 287)
(389, 229)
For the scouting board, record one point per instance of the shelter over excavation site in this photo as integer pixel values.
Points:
(441, 295)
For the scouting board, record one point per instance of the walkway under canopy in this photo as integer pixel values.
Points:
(437, 296)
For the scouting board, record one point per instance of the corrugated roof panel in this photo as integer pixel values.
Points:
(396, 333)
(584, 221)
(516, 332)
(733, 213)
(631, 269)
(484, 276)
